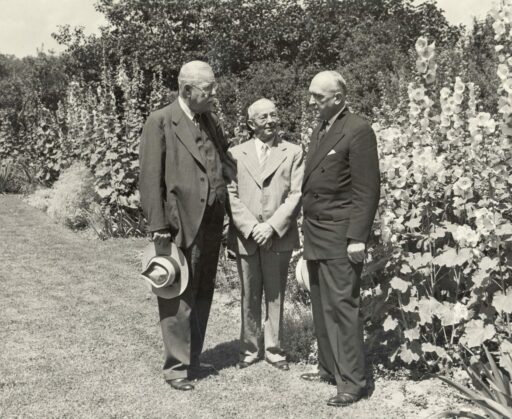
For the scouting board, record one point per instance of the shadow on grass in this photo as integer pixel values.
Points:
(222, 356)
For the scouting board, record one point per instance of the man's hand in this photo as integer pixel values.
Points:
(262, 233)
(162, 237)
(356, 251)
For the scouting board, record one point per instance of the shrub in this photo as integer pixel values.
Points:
(16, 176)
(299, 340)
(73, 196)
(40, 198)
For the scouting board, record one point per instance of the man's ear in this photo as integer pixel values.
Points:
(187, 90)
(250, 124)
(340, 98)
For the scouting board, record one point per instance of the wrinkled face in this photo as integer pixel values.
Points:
(325, 97)
(264, 120)
(201, 91)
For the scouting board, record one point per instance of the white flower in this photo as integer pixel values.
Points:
(502, 72)
(421, 65)
(484, 221)
(483, 118)
(507, 85)
(421, 44)
(418, 94)
(459, 86)
(445, 93)
(499, 29)
(428, 52)
(458, 98)
(430, 77)
(462, 186)
(445, 121)
(414, 109)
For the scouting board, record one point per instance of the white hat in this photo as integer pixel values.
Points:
(165, 269)
(302, 274)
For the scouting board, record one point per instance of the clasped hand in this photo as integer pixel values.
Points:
(262, 234)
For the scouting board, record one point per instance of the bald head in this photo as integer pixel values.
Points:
(196, 72)
(259, 107)
(329, 82)
(328, 92)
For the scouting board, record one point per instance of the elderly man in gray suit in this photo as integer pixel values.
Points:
(265, 200)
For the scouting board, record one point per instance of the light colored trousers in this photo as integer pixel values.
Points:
(265, 270)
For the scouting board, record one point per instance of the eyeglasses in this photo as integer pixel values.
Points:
(262, 118)
(208, 91)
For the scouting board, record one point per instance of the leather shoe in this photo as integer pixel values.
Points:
(182, 384)
(280, 365)
(315, 376)
(343, 399)
(244, 364)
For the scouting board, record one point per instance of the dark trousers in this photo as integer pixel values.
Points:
(335, 286)
(183, 319)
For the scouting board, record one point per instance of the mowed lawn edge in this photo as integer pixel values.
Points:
(79, 337)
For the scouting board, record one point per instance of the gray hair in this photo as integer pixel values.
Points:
(195, 72)
(251, 111)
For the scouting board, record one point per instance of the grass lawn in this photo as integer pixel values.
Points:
(79, 337)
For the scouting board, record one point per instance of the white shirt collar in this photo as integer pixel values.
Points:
(331, 121)
(260, 144)
(186, 109)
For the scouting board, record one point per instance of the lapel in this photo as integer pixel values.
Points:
(250, 160)
(332, 137)
(312, 142)
(276, 157)
(183, 133)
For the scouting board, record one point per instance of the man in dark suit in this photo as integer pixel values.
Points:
(341, 190)
(183, 175)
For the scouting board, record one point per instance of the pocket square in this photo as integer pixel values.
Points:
(331, 152)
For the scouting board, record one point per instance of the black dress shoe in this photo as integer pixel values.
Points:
(243, 364)
(343, 399)
(182, 384)
(315, 376)
(280, 365)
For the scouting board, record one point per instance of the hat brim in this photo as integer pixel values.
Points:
(170, 250)
(302, 274)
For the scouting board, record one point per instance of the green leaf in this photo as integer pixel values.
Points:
(412, 334)
(407, 355)
(502, 302)
(390, 324)
(477, 333)
(399, 284)
(451, 257)
(427, 307)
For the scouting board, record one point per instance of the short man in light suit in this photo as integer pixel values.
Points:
(265, 200)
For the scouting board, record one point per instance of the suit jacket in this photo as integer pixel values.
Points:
(341, 187)
(272, 196)
(173, 182)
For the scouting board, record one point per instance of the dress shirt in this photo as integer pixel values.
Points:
(260, 145)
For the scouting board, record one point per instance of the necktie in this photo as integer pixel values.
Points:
(197, 120)
(322, 131)
(265, 150)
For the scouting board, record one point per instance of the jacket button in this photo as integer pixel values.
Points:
(260, 217)
(315, 195)
(202, 199)
(322, 169)
(202, 179)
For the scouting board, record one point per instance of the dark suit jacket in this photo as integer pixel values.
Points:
(341, 188)
(173, 182)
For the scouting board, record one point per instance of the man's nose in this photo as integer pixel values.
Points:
(311, 101)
